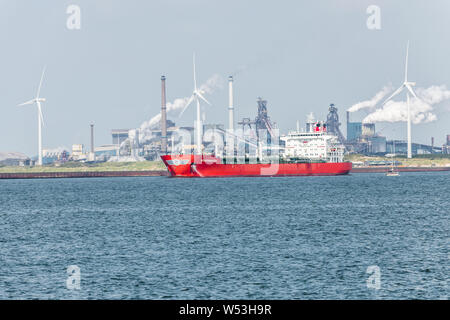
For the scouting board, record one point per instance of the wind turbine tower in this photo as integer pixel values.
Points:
(408, 85)
(38, 101)
(196, 95)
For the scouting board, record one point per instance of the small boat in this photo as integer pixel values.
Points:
(393, 172)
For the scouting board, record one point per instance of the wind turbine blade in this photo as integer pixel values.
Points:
(195, 79)
(202, 97)
(406, 62)
(187, 105)
(396, 92)
(40, 82)
(40, 113)
(411, 90)
(25, 103)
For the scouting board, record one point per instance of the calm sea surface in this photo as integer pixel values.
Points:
(241, 238)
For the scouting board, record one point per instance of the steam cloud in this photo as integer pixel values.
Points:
(421, 109)
(145, 130)
(372, 102)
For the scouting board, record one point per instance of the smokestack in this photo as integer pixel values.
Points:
(92, 138)
(348, 117)
(432, 142)
(163, 116)
(230, 104)
(310, 122)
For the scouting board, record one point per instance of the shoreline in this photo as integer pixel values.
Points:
(163, 173)
(82, 174)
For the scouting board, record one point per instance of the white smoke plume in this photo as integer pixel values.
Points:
(213, 83)
(372, 102)
(421, 109)
(145, 130)
(434, 94)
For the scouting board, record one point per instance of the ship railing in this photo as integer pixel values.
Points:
(302, 160)
(249, 160)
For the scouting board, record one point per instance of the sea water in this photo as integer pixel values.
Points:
(361, 236)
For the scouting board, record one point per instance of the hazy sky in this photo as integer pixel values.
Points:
(299, 55)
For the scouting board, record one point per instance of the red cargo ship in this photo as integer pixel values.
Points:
(209, 166)
(312, 153)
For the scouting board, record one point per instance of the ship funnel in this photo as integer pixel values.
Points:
(310, 122)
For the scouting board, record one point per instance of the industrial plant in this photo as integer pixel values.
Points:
(161, 135)
(164, 136)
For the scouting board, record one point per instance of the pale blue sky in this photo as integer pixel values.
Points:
(299, 55)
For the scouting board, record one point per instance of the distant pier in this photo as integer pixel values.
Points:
(82, 174)
(375, 169)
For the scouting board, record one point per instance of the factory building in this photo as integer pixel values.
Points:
(251, 129)
(103, 153)
(77, 149)
(363, 138)
(152, 148)
(134, 143)
(54, 156)
(14, 159)
(212, 132)
(148, 143)
(368, 130)
(446, 146)
(119, 135)
(333, 124)
(401, 147)
(214, 127)
(372, 144)
(262, 120)
(354, 131)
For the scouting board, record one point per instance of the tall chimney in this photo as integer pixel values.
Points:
(163, 116)
(92, 138)
(348, 117)
(432, 142)
(230, 104)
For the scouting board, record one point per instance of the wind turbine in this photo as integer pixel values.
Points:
(408, 85)
(196, 95)
(38, 101)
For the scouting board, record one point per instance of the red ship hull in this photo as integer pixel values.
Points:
(208, 166)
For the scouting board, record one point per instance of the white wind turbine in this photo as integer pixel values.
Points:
(38, 101)
(195, 96)
(408, 85)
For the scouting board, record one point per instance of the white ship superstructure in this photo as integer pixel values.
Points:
(316, 145)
